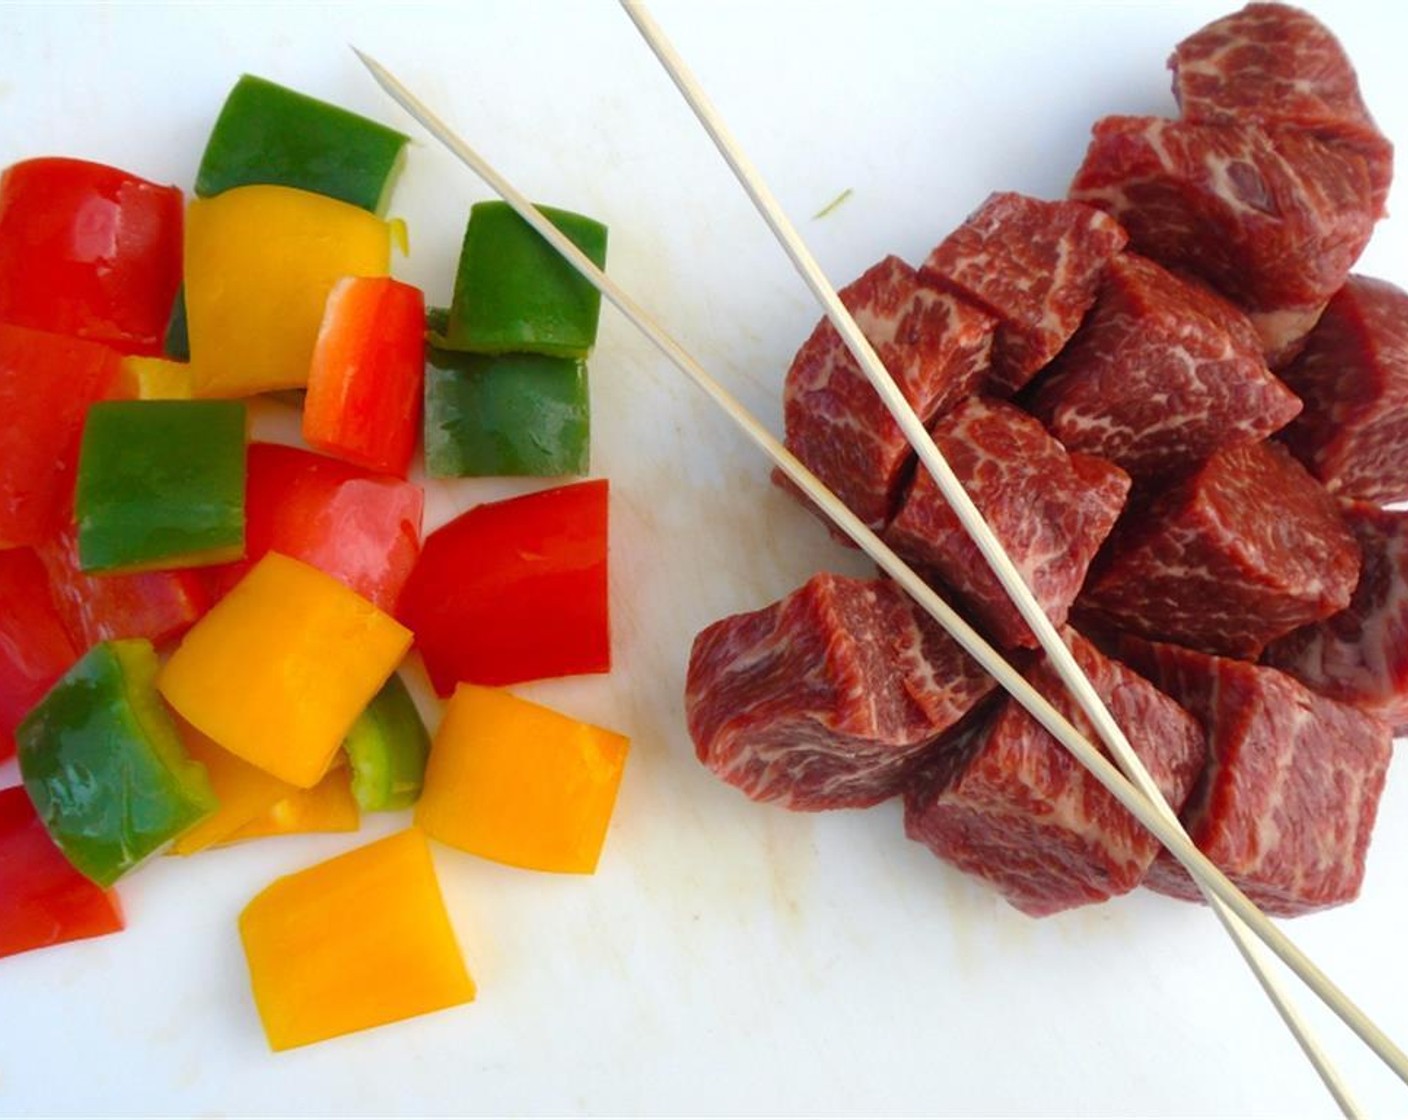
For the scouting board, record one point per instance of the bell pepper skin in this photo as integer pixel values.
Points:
(243, 792)
(156, 379)
(160, 485)
(363, 529)
(260, 262)
(515, 590)
(157, 606)
(514, 292)
(280, 668)
(89, 251)
(176, 344)
(35, 647)
(364, 385)
(521, 784)
(44, 900)
(387, 748)
(267, 133)
(105, 766)
(360, 940)
(328, 807)
(505, 414)
(47, 383)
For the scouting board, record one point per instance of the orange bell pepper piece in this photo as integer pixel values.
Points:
(245, 792)
(328, 807)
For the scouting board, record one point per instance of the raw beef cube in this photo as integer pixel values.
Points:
(1277, 66)
(1050, 510)
(1162, 374)
(1246, 549)
(1010, 804)
(823, 700)
(1273, 223)
(1360, 656)
(936, 348)
(1033, 264)
(1353, 377)
(1287, 803)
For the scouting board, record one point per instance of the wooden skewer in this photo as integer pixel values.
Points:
(1069, 670)
(1197, 864)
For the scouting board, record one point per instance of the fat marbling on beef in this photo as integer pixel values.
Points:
(1008, 803)
(1050, 509)
(824, 699)
(1287, 803)
(1161, 374)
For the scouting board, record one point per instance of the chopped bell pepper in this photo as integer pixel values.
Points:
(153, 605)
(88, 251)
(358, 941)
(361, 528)
(278, 670)
(177, 343)
(387, 748)
(156, 379)
(364, 386)
(267, 133)
(260, 262)
(44, 900)
(35, 648)
(520, 784)
(513, 291)
(244, 793)
(47, 383)
(161, 485)
(104, 764)
(505, 414)
(328, 807)
(515, 590)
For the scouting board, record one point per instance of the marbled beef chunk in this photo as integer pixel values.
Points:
(1050, 510)
(1360, 656)
(1287, 803)
(1352, 375)
(1033, 264)
(935, 347)
(1008, 803)
(1282, 68)
(822, 700)
(1246, 549)
(1162, 374)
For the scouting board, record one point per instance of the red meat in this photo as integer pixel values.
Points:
(1353, 377)
(1010, 804)
(935, 347)
(1162, 374)
(1050, 510)
(1277, 66)
(824, 699)
(1033, 264)
(1245, 550)
(1287, 804)
(1360, 656)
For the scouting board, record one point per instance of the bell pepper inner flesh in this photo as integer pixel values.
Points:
(328, 807)
(105, 766)
(356, 942)
(387, 748)
(156, 379)
(35, 647)
(161, 485)
(244, 793)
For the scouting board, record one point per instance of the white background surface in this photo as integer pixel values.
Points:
(728, 958)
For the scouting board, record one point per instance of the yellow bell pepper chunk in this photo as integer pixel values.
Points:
(521, 784)
(245, 793)
(352, 943)
(328, 807)
(156, 379)
(279, 669)
(259, 263)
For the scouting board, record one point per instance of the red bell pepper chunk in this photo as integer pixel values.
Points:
(89, 251)
(47, 383)
(153, 605)
(359, 527)
(514, 591)
(44, 899)
(364, 386)
(35, 650)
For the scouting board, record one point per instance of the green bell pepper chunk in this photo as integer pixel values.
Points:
(498, 415)
(104, 764)
(160, 485)
(387, 747)
(272, 135)
(514, 292)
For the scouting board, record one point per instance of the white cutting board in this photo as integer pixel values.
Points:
(728, 958)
